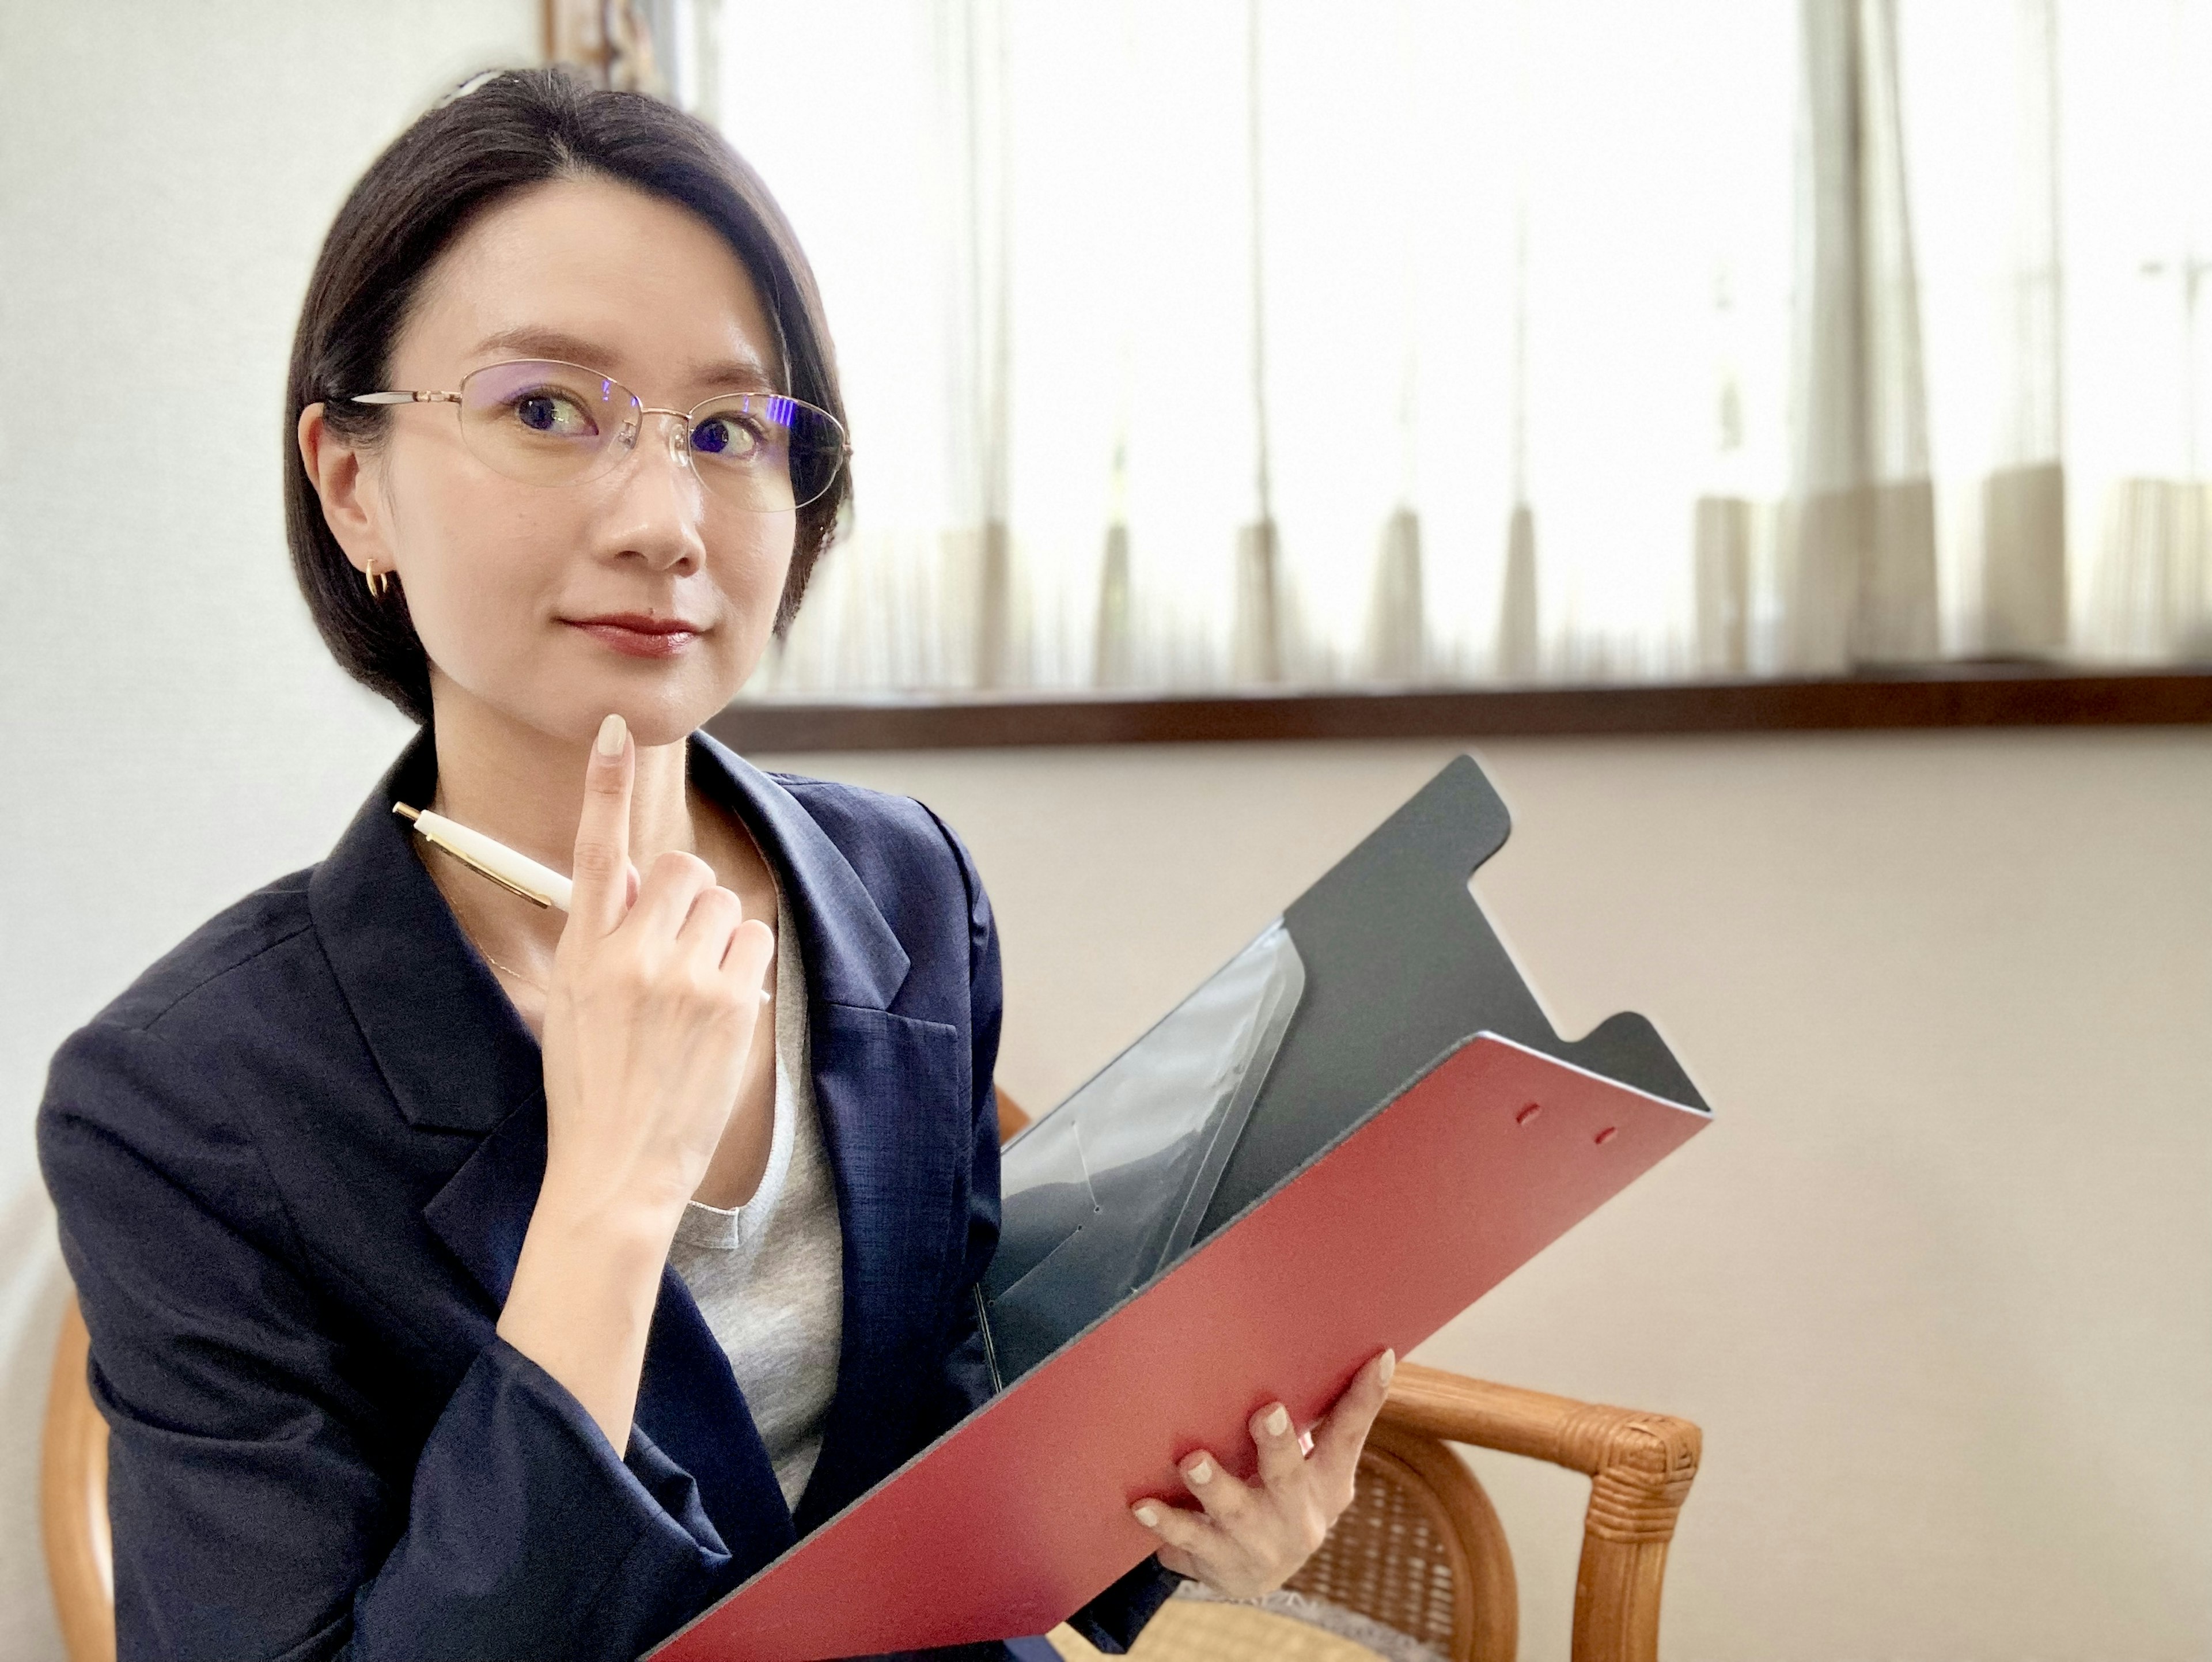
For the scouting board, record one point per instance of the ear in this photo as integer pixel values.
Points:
(340, 471)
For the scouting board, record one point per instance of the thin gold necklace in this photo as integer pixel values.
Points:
(437, 798)
(512, 970)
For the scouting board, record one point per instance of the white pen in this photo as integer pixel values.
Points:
(518, 873)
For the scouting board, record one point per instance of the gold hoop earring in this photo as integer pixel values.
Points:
(379, 582)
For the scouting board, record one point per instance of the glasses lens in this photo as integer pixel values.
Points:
(544, 423)
(766, 452)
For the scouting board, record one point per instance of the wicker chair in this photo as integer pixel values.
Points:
(73, 1502)
(1420, 1551)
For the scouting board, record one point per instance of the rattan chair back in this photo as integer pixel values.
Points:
(1420, 1549)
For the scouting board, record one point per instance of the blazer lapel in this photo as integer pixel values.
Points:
(892, 1090)
(898, 1168)
(454, 1053)
(457, 1058)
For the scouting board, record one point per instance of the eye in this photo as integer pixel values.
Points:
(556, 414)
(728, 437)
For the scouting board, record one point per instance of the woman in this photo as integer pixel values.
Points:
(468, 1281)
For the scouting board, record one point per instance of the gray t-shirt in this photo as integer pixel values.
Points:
(768, 1276)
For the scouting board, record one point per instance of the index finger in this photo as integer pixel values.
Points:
(601, 862)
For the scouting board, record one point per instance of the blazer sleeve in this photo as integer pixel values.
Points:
(1112, 1621)
(262, 1507)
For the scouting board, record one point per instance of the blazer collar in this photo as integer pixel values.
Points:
(450, 1048)
(852, 955)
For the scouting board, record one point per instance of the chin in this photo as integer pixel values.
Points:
(661, 708)
(571, 710)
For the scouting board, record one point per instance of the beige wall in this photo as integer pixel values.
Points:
(1938, 1280)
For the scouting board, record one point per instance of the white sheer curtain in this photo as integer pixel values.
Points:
(1253, 342)
(2062, 185)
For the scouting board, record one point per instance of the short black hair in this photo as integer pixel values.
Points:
(505, 132)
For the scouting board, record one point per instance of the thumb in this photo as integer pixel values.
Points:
(601, 868)
(1343, 1433)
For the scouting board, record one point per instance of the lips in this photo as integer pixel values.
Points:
(638, 635)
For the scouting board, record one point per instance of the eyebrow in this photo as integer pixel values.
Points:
(542, 343)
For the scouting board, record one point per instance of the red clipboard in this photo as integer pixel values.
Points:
(1018, 1516)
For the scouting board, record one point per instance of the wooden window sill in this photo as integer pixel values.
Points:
(1948, 696)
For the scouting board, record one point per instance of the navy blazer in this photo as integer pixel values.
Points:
(293, 1164)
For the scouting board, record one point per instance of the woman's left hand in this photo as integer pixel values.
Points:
(1249, 1538)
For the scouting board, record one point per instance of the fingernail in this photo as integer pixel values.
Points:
(1278, 1421)
(1147, 1517)
(1202, 1472)
(614, 732)
(1390, 1365)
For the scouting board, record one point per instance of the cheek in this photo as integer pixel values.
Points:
(473, 562)
(747, 562)
(751, 560)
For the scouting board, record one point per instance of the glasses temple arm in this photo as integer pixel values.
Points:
(404, 398)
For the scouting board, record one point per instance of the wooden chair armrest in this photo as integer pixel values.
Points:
(73, 1501)
(1640, 1467)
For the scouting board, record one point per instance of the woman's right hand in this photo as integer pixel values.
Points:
(649, 1016)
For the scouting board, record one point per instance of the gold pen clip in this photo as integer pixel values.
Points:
(413, 816)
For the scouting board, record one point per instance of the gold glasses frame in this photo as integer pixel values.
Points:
(612, 446)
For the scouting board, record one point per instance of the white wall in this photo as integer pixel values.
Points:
(1936, 1284)
(174, 735)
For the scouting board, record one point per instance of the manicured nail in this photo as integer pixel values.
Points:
(1202, 1472)
(1390, 1365)
(614, 732)
(1278, 1421)
(1147, 1517)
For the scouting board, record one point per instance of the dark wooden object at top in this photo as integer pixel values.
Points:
(1960, 696)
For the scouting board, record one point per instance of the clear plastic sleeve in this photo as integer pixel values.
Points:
(1108, 1190)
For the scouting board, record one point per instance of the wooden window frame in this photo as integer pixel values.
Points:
(1951, 696)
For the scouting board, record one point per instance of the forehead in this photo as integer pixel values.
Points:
(600, 273)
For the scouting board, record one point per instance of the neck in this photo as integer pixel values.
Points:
(526, 787)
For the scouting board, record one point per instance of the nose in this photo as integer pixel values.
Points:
(677, 426)
(675, 423)
(662, 507)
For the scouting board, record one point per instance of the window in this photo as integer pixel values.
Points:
(1221, 344)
